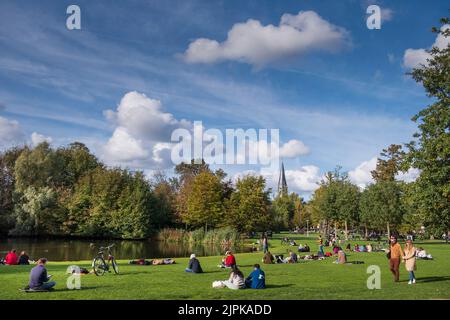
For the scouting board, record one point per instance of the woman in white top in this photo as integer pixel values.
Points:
(236, 280)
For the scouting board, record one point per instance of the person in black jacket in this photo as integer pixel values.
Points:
(194, 265)
(24, 259)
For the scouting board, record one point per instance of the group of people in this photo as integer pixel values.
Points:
(236, 279)
(12, 258)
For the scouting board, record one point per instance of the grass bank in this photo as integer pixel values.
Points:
(305, 280)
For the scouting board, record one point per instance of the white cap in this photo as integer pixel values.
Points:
(193, 256)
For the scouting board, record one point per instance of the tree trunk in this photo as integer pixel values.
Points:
(335, 229)
(366, 232)
(388, 230)
(346, 231)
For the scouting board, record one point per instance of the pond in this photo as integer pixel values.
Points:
(74, 250)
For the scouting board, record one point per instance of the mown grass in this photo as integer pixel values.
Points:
(305, 280)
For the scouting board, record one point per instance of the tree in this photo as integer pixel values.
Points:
(164, 191)
(381, 205)
(248, 206)
(205, 203)
(430, 150)
(389, 164)
(7, 188)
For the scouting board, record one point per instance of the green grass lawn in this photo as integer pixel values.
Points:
(305, 280)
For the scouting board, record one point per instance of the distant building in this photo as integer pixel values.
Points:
(282, 184)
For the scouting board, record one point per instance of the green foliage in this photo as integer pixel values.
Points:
(430, 151)
(248, 207)
(389, 164)
(205, 203)
(381, 205)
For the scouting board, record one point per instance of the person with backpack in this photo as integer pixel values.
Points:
(256, 279)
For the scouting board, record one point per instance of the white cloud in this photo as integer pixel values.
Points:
(293, 149)
(410, 176)
(10, 132)
(142, 133)
(387, 14)
(414, 58)
(361, 175)
(123, 147)
(303, 180)
(144, 118)
(37, 138)
(257, 44)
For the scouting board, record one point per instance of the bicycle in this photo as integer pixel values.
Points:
(99, 264)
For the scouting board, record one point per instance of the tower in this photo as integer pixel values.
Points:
(282, 184)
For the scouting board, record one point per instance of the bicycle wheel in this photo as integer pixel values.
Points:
(99, 266)
(114, 265)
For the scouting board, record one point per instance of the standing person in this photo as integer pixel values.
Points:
(410, 260)
(256, 279)
(11, 258)
(265, 243)
(194, 265)
(39, 280)
(395, 254)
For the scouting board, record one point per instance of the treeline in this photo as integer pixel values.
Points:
(67, 191)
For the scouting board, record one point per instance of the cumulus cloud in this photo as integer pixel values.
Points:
(414, 58)
(10, 133)
(257, 44)
(37, 138)
(293, 149)
(142, 132)
(361, 175)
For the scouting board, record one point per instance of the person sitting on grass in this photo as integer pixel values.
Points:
(292, 258)
(256, 279)
(349, 247)
(39, 280)
(24, 259)
(11, 258)
(229, 261)
(268, 258)
(235, 281)
(369, 248)
(194, 265)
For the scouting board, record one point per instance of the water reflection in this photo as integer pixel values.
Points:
(73, 250)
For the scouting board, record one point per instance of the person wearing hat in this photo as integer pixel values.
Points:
(194, 265)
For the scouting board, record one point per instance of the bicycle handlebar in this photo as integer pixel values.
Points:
(108, 247)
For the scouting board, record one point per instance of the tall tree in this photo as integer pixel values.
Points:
(430, 150)
(248, 206)
(205, 203)
(389, 163)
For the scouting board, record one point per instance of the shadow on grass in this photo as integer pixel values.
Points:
(433, 279)
(275, 286)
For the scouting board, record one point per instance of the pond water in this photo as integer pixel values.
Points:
(73, 250)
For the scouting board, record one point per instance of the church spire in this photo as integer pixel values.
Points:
(282, 184)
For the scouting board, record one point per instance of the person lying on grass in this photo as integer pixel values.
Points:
(256, 279)
(236, 280)
(229, 261)
(39, 280)
(194, 265)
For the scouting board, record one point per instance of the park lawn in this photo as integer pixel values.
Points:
(305, 280)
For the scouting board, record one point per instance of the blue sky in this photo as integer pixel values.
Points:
(343, 92)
